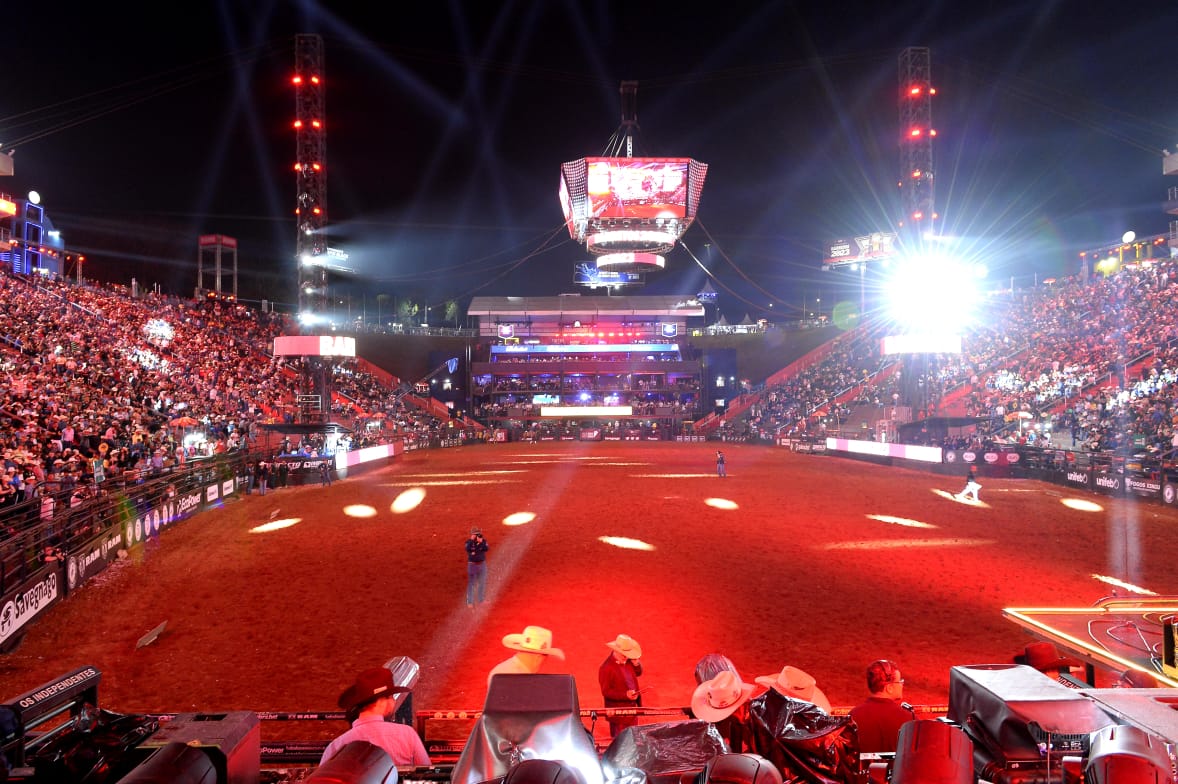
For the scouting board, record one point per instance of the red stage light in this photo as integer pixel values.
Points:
(914, 91)
(915, 133)
(298, 124)
(316, 124)
(296, 80)
(932, 132)
(314, 80)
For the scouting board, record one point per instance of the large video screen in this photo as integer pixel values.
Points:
(637, 187)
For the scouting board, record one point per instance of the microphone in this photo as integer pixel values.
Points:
(908, 707)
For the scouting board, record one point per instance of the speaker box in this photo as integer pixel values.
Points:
(358, 762)
(232, 741)
(173, 763)
(932, 752)
(528, 716)
(1012, 711)
(1124, 753)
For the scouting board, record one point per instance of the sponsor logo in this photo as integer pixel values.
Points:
(187, 503)
(1142, 485)
(21, 608)
(1108, 482)
(950, 457)
(990, 457)
(71, 573)
(1168, 493)
(969, 457)
(71, 681)
(1012, 457)
(1078, 476)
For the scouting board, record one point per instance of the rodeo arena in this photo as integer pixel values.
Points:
(132, 418)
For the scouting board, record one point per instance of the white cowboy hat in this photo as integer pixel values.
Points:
(796, 684)
(627, 646)
(717, 699)
(535, 639)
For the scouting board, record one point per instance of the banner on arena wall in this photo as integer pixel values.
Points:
(93, 557)
(1145, 487)
(1109, 484)
(29, 601)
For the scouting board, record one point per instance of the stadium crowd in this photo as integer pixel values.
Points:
(103, 387)
(1091, 363)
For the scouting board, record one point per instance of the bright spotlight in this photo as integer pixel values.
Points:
(1082, 505)
(408, 500)
(519, 518)
(275, 525)
(933, 293)
(359, 510)
(721, 503)
(626, 543)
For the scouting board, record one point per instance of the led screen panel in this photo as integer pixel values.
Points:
(637, 187)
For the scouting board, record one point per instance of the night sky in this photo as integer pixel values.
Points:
(447, 123)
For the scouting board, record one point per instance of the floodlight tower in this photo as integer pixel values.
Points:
(310, 175)
(916, 141)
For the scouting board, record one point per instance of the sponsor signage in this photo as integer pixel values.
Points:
(1077, 477)
(1108, 483)
(30, 600)
(59, 691)
(314, 346)
(1150, 488)
(93, 558)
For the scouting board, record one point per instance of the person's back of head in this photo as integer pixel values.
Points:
(881, 673)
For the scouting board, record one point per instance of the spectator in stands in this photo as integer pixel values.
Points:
(532, 648)
(618, 678)
(881, 715)
(369, 703)
(797, 685)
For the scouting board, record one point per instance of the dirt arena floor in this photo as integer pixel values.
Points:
(819, 562)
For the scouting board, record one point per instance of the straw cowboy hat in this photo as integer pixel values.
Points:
(717, 699)
(627, 646)
(535, 639)
(796, 684)
(1045, 656)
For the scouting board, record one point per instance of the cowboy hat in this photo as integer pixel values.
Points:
(717, 699)
(1045, 656)
(370, 684)
(535, 639)
(796, 684)
(627, 646)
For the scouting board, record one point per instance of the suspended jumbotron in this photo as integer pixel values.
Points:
(629, 212)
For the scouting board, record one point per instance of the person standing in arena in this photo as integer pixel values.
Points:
(971, 484)
(476, 567)
(721, 469)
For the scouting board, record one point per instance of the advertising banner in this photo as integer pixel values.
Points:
(28, 602)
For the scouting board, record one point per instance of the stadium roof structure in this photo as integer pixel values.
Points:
(577, 306)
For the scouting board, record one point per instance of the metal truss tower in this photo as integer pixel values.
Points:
(310, 174)
(916, 141)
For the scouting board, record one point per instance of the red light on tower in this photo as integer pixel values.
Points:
(914, 91)
(316, 124)
(314, 80)
(915, 133)
(296, 80)
(298, 124)
(932, 132)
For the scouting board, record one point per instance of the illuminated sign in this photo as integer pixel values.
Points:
(314, 346)
(870, 247)
(7, 207)
(585, 411)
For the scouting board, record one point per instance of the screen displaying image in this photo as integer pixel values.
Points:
(637, 187)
